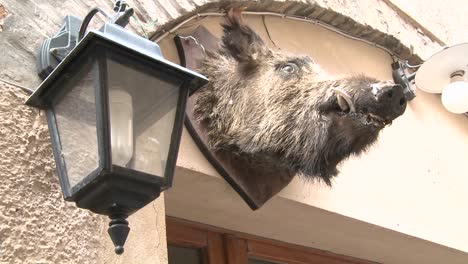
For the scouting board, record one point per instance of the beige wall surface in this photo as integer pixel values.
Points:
(447, 19)
(411, 181)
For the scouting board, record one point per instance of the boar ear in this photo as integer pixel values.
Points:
(240, 41)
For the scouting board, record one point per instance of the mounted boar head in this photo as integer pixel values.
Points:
(281, 109)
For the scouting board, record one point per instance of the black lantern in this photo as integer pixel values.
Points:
(115, 111)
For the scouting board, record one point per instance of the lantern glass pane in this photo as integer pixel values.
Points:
(142, 104)
(75, 115)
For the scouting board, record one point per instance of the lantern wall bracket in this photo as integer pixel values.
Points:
(53, 50)
(402, 76)
(56, 48)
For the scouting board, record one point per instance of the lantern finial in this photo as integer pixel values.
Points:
(118, 229)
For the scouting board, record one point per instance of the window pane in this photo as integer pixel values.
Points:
(142, 113)
(75, 116)
(257, 261)
(182, 255)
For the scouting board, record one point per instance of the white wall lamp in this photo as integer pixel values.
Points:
(445, 72)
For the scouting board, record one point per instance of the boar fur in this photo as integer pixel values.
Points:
(279, 109)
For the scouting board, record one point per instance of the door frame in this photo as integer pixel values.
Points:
(220, 246)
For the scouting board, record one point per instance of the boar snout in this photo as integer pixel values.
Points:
(391, 101)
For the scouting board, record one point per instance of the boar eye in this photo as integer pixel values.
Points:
(289, 68)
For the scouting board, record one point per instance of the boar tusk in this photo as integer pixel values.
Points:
(342, 95)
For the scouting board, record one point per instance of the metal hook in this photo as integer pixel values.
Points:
(195, 40)
(412, 66)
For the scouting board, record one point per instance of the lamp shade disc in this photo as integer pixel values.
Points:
(434, 74)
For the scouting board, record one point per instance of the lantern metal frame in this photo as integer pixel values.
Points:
(111, 189)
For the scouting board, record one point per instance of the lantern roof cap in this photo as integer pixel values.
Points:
(118, 37)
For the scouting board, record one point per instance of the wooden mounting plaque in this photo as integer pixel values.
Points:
(255, 186)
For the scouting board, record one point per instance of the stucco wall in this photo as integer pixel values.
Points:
(36, 225)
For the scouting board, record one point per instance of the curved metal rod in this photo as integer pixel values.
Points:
(158, 36)
(88, 18)
(24, 88)
(412, 66)
(195, 40)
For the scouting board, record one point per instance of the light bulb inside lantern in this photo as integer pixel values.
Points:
(455, 95)
(121, 115)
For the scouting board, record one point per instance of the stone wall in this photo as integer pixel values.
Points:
(36, 224)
